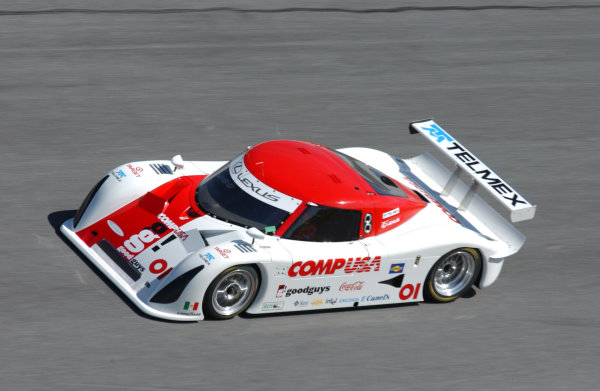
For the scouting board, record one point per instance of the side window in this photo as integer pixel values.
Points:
(324, 224)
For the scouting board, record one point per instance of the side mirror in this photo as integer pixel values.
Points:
(177, 161)
(254, 233)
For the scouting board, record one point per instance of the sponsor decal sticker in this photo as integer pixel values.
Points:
(391, 213)
(115, 227)
(119, 260)
(135, 170)
(160, 267)
(438, 133)
(350, 300)
(135, 263)
(375, 298)
(137, 242)
(254, 187)
(119, 174)
(486, 174)
(387, 223)
(331, 266)
(354, 286)
(396, 268)
(331, 301)
(280, 291)
(171, 225)
(316, 302)
(276, 306)
(300, 303)
(191, 306)
(409, 291)
(208, 257)
(468, 161)
(224, 253)
(307, 290)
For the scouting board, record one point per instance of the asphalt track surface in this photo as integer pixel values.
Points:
(89, 85)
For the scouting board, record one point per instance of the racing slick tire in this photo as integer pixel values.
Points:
(231, 292)
(452, 275)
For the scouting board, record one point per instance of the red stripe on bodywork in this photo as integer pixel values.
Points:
(139, 219)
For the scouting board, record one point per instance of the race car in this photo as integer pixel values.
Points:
(294, 226)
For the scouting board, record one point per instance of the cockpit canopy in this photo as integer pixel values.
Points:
(303, 191)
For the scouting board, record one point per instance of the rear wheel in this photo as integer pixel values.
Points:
(231, 292)
(453, 275)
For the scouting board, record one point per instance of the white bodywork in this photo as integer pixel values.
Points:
(298, 275)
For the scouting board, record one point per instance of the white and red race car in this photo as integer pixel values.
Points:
(294, 226)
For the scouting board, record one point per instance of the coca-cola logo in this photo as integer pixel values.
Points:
(308, 290)
(353, 286)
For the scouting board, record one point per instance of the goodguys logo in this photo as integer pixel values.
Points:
(330, 266)
(309, 290)
(137, 265)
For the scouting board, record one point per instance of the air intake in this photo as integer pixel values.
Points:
(174, 289)
(335, 179)
(161, 169)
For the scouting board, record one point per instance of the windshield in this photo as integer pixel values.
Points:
(220, 197)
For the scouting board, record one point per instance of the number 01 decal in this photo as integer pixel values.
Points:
(409, 290)
(160, 267)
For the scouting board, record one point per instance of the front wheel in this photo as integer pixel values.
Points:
(231, 292)
(452, 275)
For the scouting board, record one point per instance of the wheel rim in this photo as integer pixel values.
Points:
(234, 291)
(454, 273)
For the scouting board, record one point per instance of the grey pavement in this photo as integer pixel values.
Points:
(81, 92)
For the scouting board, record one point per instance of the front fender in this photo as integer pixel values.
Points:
(119, 187)
(182, 293)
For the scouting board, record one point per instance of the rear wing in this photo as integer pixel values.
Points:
(483, 177)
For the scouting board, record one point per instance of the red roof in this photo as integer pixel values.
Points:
(309, 172)
(313, 173)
